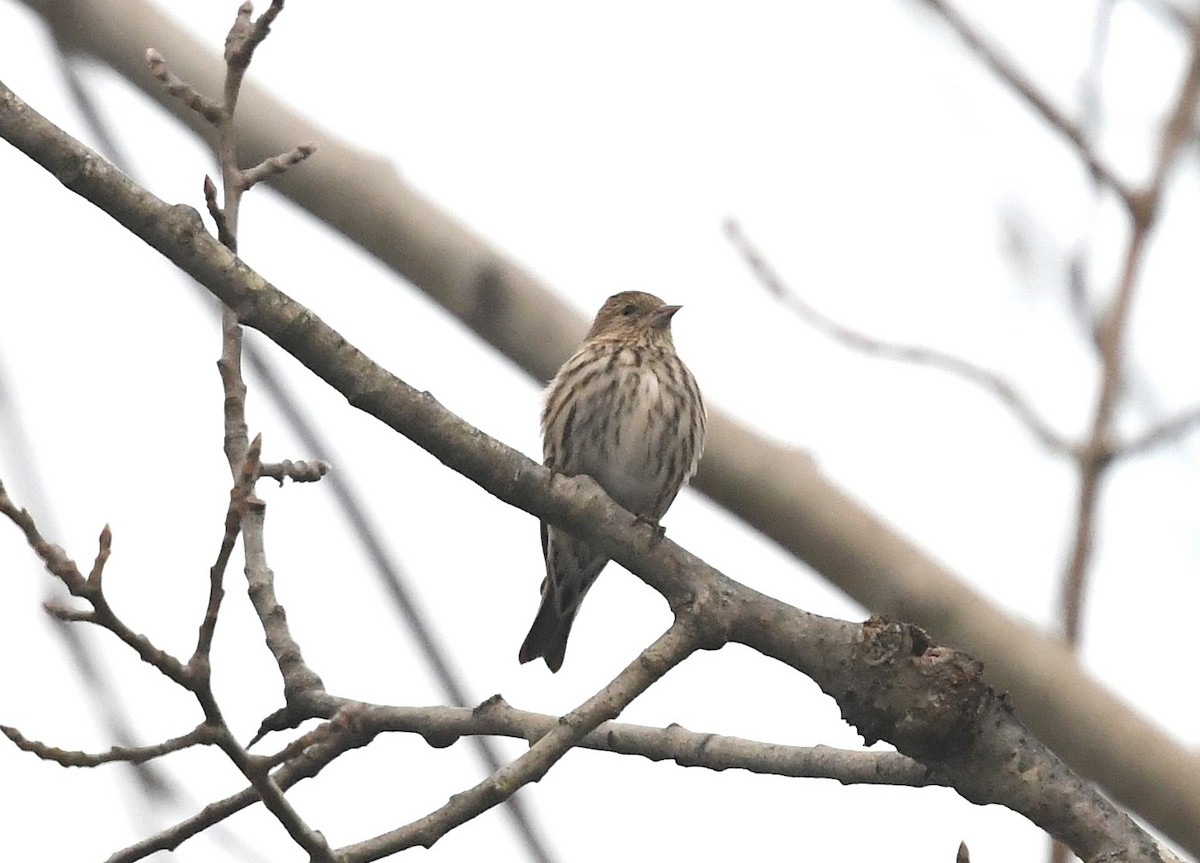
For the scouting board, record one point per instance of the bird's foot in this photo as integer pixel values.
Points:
(659, 530)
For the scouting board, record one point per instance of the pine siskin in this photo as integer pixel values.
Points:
(626, 411)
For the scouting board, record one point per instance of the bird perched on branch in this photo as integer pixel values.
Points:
(626, 411)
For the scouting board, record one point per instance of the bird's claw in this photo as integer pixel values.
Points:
(659, 530)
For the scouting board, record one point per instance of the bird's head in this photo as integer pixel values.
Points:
(633, 315)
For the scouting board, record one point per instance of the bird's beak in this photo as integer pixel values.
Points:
(660, 318)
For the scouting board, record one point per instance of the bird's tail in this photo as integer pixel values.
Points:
(547, 637)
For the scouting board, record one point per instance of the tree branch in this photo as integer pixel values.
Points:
(1003, 69)
(672, 648)
(202, 734)
(1005, 392)
(354, 724)
(243, 456)
(1096, 455)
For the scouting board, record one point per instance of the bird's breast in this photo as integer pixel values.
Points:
(635, 428)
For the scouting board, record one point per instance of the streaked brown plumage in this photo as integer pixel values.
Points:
(626, 411)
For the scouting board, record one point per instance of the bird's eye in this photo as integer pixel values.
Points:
(629, 309)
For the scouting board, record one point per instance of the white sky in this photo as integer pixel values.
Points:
(862, 148)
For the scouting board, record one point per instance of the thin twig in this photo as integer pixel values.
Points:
(1097, 453)
(243, 457)
(195, 677)
(202, 105)
(670, 649)
(356, 724)
(1005, 392)
(1167, 431)
(304, 766)
(1171, 13)
(257, 770)
(217, 214)
(241, 496)
(296, 471)
(1094, 455)
(280, 164)
(1090, 122)
(59, 565)
(202, 734)
(1007, 72)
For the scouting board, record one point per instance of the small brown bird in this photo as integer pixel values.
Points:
(626, 411)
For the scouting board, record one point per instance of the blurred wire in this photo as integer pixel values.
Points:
(390, 573)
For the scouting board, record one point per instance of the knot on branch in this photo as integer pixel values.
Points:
(185, 224)
(705, 613)
(926, 699)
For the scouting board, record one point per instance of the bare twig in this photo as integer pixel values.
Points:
(194, 677)
(257, 770)
(1007, 72)
(240, 497)
(304, 766)
(244, 36)
(1098, 451)
(202, 734)
(1095, 454)
(1172, 14)
(674, 646)
(97, 574)
(218, 215)
(64, 569)
(275, 165)
(355, 724)
(68, 615)
(440, 725)
(296, 471)
(1167, 431)
(990, 381)
(181, 90)
(1090, 121)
